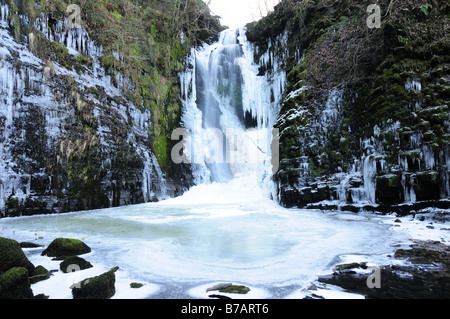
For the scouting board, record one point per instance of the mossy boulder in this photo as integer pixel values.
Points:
(27, 244)
(11, 255)
(235, 290)
(136, 285)
(15, 284)
(99, 287)
(349, 266)
(74, 263)
(65, 247)
(39, 273)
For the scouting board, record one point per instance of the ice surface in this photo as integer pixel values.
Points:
(216, 233)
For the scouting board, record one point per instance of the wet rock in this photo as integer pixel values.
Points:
(427, 277)
(424, 255)
(347, 266)
(15, 284)
(389, 189)
(136, 285)
(30, 245)
(235, 290)
(40, 273)
(65, 247)
(219, 286)
(396, 283)
(99, 287)
(74, 263)
(11, 255)
(219, 297)
(428, 186)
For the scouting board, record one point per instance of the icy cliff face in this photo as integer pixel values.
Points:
(366, 132)
(69, 140)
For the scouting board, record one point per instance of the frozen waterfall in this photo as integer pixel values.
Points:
(230, 111)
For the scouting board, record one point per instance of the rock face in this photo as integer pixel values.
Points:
(85, 123)
(70, 141)
(365, 115)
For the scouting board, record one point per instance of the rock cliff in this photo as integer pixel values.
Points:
(88, 99)
(365, 117)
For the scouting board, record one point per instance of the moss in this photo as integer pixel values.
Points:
(161, 150)
(39, 274)
(347, 266)
(62, 247)
(99, 287)
(15, 284)
(136, 285)
(233, 289)
(11, 255)
(62, 54)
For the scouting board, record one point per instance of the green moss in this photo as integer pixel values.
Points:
(136, 285)
(65, 247)
(161, 150)
(62, 54)
(15, 284)
(39, 274)
(11, 255)
(99, 287)
(347, 266)
(233, 289)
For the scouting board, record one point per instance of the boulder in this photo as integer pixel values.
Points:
(65, 247)
(235, 290)
(74, 263)
(15, 284)
(99, 287)
(39, 273)
(30, 245)
(11, 255)
(219, 286)
(136, 285)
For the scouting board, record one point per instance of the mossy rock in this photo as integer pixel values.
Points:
(11, 255)
(15, 284)
(235, 290)
(27, 244)
(347, 266)
(136, 285)
(427, 186)
(40, 273)
(74, 263)
(65, 247)
(99, 287)
(389, 189)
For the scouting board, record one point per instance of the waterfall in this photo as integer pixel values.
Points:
(229, 110)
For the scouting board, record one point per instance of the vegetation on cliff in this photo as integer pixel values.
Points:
(387, 86)
(99, 158)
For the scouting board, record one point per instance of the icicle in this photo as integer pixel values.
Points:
(370, 171)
